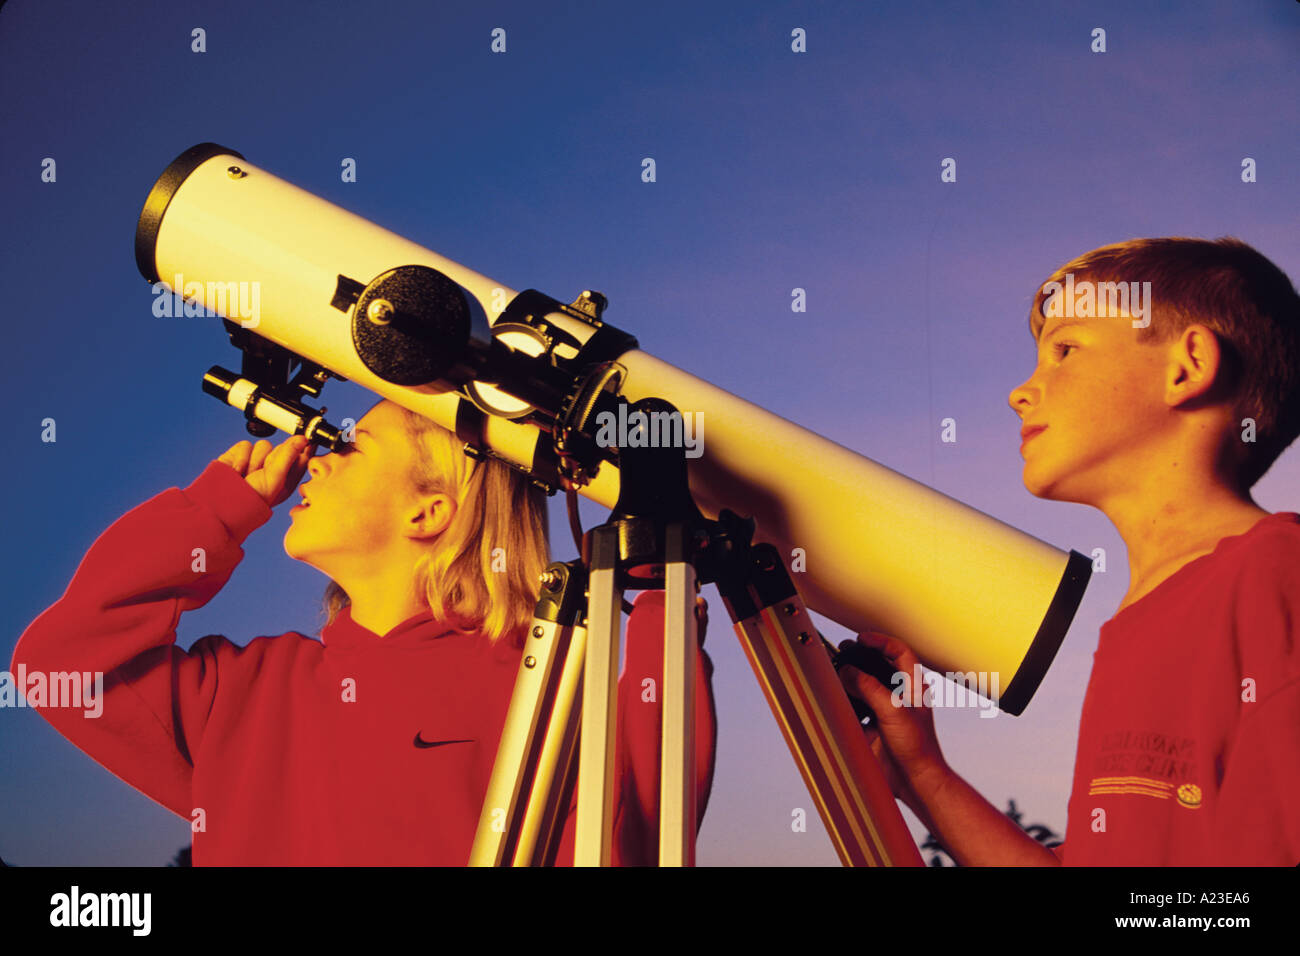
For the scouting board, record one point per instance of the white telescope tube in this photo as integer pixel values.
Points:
(966, 591)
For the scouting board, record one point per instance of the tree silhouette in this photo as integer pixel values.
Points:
(1039, 831)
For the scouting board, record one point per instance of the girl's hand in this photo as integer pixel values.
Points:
(272, 474)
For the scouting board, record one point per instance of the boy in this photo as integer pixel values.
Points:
(1161, 409)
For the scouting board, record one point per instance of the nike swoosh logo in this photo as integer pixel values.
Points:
(425, 744)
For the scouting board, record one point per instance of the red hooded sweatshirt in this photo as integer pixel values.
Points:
(357, 749)
(1189, 742)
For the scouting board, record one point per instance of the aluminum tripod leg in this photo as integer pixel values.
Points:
(512, 826)
(816, 718)
(528, 795)
(677, 811)
(593, 845)
(557, 767)
(530, 791)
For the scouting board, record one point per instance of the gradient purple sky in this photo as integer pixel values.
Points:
(776, 170)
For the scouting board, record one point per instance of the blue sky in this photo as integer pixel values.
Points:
(775, 170)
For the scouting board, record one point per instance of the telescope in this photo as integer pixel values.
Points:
(522, 377)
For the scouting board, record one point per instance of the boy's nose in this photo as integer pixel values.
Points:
(1021, 399)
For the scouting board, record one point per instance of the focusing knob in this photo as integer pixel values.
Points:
(412, 326)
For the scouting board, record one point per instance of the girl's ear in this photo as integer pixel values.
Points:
(431, 515)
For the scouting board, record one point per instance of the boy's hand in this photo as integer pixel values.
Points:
(272, 474)
(903, 738)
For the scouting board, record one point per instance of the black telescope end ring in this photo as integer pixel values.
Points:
(160, 197)
(1051, 633)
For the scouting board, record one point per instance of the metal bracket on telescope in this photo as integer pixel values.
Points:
(657, 538)
(590, 375)
(531, 307)
(267, 396)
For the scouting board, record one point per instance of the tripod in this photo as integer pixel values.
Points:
(657, 538)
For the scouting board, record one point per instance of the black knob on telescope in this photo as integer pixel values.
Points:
(869, 660)
(414, 326)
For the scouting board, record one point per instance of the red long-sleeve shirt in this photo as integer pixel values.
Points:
(1189, 742)
(295, 751)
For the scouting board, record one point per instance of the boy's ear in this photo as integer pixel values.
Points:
(1196, 373)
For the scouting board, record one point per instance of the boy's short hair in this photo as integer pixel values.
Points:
(1231, 288)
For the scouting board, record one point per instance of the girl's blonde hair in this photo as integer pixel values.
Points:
(483, 571)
